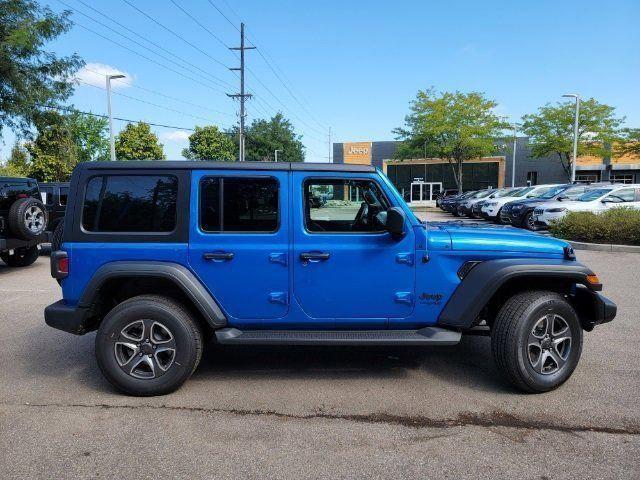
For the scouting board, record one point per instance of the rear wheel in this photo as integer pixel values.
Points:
(148, 345)
(22, 257)
(536, 340)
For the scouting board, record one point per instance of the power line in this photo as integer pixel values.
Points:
(174, 33)
(147, 58)
(151, 103)
(200, 24)
(208, 76)
(155, 92)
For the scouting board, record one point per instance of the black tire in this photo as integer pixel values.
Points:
(22, 257)
(528, 222)
(150, 310)
(514, 352)
(56, 237)
(27, 218)
(455, 212)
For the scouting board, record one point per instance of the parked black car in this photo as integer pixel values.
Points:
(23, 220)
(520, 212)
(54, 196)
(445, 194)
(451, 204)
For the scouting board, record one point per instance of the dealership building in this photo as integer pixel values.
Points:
(420, 179)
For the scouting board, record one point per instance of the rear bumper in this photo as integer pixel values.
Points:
(12, 243)
(63, 317)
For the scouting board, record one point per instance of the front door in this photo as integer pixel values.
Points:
(347, 269)
(239, 242)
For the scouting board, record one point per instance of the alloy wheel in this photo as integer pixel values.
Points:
(34, 219)
(145, 349)
(549, 344)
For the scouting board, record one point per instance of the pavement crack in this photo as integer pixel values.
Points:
(492, 419)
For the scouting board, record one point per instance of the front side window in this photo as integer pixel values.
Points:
(239, 204)
(344, 206)
(130, 203)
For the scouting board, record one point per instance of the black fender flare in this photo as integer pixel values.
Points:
(178, 274)
(485, 278)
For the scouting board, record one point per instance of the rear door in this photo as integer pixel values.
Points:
(239, 243)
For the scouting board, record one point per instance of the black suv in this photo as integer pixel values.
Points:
(54, 196)
(23, 221)
(520, 212)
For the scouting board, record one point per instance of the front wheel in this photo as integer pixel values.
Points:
(529, 222)
(148, 345)
(536, 340)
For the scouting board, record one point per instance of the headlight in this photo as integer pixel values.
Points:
(517, 207)
(556, 210)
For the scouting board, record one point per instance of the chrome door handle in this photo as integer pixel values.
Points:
(314, 256)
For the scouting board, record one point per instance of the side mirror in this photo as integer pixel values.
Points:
(393, 220)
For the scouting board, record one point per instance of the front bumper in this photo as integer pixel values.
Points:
(603, 311)
(63, 317)
(516, 217)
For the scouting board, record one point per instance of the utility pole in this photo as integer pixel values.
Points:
(112, 143)
(242, 96)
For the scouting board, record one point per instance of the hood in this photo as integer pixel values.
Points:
(481, 237)
(568, 204)
(530, 201)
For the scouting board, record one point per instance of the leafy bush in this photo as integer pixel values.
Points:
(620, 225)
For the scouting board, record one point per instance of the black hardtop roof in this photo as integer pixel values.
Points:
(209, 165)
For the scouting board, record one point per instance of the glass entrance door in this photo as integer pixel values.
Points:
(424, 193)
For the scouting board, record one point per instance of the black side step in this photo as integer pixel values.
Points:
(424, 336)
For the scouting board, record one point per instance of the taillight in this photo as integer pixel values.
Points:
(59, 264)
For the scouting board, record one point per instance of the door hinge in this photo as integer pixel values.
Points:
(279, 297)
(280, 258)
(404, 297)
(406, 258)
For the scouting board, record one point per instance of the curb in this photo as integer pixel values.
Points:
(604, 247)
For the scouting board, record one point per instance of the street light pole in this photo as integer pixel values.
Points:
(276, 154)
(575, 135)
(513, 164)
(112, 144)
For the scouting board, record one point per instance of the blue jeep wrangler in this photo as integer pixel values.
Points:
(155, 256)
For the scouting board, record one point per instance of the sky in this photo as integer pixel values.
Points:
(352, 66)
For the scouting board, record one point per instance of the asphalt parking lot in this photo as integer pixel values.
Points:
(317, 412)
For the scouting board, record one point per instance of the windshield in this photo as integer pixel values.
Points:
(547, 193)
(467, 195)
(483, 193)
(506, 192)
(522, 192)
(593, 194)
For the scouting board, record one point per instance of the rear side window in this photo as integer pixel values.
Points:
(130, 203)
(239, 204)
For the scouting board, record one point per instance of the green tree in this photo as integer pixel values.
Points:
(454, 126)
(90, 135)
(31, 77)
(53, 154)
(629, 144)
(138, 142)
(209, 143)
(264, 137)
(550, 130)
(17, 165)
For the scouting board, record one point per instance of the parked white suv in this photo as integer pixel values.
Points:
(595, 200)
(491, 209)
